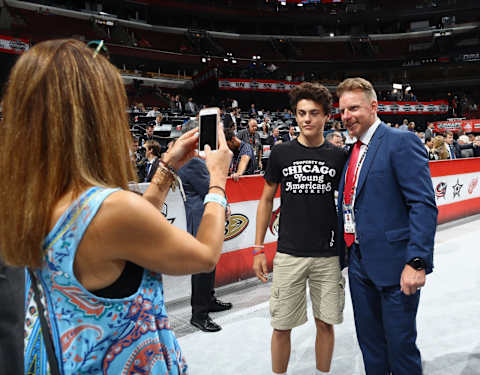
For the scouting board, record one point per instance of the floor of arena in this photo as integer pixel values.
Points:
(448, 321)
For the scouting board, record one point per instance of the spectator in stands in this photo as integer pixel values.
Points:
(137, 158)
(135, 108)
(191, 107)
(239, 116)
(172, 103)
(337, 126)
(178, 105)
(266, 122)
(465, 147)
(230, 119)
(243, 161)
(94, 249)
(154, 112)
(158, 120)
(452, 146)
(409, 96)
(471, 137)
(404, 125)
(411, 126)
(335, 138)
(251, 136)
(265, 132)
(440, 148)
(234, 103)
(252, 112)
(476, 146)
(275, 138)
(152, 156)
(421, 135)
(429, 130)
(290, 136)
(148, 136)
(432, 155)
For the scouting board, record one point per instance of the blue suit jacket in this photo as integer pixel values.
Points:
(195, 180)
(395, 210)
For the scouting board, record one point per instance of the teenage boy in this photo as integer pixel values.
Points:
(308, 169)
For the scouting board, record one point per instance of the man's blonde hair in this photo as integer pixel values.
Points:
(357, 83)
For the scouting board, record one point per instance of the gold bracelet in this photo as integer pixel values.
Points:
(163, 176)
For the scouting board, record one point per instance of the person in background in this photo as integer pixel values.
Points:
(196, 182)
(251, 136)
(148, 136)
(154, 112)
(95, 250)
(275, 138)
(432, 155)
(387, 222)
(476, 146)
(290, 136)
(452, 146)
(252, 112)
(335, 138)
(152, 156)
(12, 295)
(404, 125)
(440, 148)
(191, 107)
(243, 161)
(429, 130)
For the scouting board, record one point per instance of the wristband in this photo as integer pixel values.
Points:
(170, 168)
(217, 198)
(259, 251)
(219, 188)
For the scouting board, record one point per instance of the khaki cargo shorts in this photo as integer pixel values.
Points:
(288, 299)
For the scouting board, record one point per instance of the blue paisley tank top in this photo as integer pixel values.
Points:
(95, 335)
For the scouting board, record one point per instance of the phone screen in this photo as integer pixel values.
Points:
(208, 131)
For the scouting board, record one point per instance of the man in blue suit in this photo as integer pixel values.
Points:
(387, 224)
(196, 184)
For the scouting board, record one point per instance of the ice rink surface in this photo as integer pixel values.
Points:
(448, 321)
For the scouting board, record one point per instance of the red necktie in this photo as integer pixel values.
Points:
(349, 186)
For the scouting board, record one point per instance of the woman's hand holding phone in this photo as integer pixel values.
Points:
(218, 161)
(182, 150)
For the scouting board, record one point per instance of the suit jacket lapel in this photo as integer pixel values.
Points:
(371, 152)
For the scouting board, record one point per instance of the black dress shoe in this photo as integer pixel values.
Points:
(217, 305)
(205, 324)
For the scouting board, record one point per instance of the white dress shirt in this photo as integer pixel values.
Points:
(365, 139)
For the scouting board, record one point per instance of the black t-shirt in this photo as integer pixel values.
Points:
(308, 177)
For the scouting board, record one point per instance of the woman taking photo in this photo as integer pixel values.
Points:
(95, 251)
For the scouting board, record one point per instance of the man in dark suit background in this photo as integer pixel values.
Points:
(290, 136)
(152, 155)
(387, 220)
(196, 182)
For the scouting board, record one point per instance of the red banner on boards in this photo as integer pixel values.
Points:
(12, 45)
(456, 126)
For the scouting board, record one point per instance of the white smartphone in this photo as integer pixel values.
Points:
(209, 119)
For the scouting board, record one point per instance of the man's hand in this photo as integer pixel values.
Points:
(235, 176)
(411, 280)
(260, 267)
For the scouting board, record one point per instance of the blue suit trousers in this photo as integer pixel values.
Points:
(385, 321)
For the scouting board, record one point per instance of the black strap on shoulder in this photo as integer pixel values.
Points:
(47, 337)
